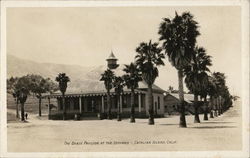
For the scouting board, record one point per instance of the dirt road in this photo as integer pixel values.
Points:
(220, 133)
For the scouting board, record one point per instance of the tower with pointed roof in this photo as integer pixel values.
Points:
(112, 61)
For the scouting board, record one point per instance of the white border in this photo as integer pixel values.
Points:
(245, 76)
(125, 3)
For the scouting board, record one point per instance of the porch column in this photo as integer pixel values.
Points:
(102, 103)
(121, 103)
(139, 100)
(80, 104)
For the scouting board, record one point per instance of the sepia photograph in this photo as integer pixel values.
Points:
(124, 79)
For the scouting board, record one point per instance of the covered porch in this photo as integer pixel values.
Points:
(95, 105)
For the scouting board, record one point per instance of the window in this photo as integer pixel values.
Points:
(114, 102)
(126, 101)
(136, 100)
(76, 103)
(67, 103)
(143, 100)
(60, 103)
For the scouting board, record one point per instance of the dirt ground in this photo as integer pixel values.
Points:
(42, 135)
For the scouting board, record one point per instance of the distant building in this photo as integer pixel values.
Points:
(172, 103)
(93, 103)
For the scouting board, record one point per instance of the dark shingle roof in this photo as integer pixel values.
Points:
(187, 97)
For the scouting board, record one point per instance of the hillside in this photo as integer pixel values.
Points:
(82, 78)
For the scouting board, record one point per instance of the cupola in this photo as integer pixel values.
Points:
(112, 61)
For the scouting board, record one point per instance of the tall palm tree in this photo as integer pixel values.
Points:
(179, 39)
(197, 77)
(204, 62)
(63, 80)
(107, 77)
(148, 57)
(131, 78)
(118, 86)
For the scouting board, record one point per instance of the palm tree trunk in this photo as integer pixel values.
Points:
(211, 107)
(222, 106)
(132, 117)
(151, 106)
(109, 107)
(49, 108)
(181, 96)
(219, 107)
(22, 112)
(206, 108)
(64, 107)
(216, 107)
(118, 109)
(17, 109)
(196, 113)
(40, 102)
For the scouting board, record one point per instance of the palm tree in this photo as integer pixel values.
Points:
(148, 57)
(204, 62)
(118, 85)
(107, 77)
(63, 80)
(226, 99)
(212, 90)
(179, 39)
(197, 77)
(220, 81)
(131, 78)
(204, 94)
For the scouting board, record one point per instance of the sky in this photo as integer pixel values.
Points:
(85, 36)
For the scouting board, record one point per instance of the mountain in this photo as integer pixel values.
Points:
(82, 78)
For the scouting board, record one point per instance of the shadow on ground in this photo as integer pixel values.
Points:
(214, 122)
(214, 127)
(169, 124)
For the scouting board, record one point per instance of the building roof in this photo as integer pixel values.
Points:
(189, 98)
(112, 56)
(89, 93)
(91, 83)
(100, 90)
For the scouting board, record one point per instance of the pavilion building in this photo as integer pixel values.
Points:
(94, 103)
